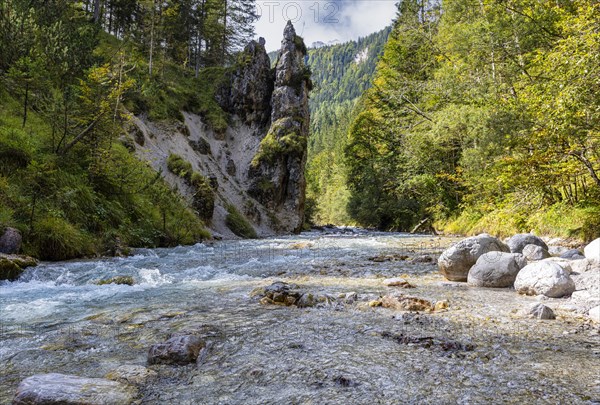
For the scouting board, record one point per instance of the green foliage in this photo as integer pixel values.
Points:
(479, 119)
(203, 200)
(339, 77)
(238, 224)
(54, 238)
(284, 138)
(179, 167)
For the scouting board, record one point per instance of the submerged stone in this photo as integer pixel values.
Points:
(179, 350)
(48, 389)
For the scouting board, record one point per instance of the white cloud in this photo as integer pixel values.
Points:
(341, 20)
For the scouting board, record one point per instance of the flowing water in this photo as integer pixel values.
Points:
(56, 319)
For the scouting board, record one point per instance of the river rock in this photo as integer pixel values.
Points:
(397, 282)
(11, 266)
(535, 252)
(178, 350)
(10, 241)
(540, 311)
(587, 289)
(584, 265)
(121, 280)
(455, 262)
(545, 278)
(402, 302)
(564, 263)
(572, 254)
(519, 241)
(594, 314)
(496, 270)
(592, 250)
(131, 374)
(65, 389)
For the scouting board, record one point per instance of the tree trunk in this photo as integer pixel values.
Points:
(25, 102)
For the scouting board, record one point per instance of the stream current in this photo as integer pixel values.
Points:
(57, 319)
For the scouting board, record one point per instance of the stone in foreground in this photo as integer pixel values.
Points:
(179, 350)
(519, 241)
(455, 262)
(131, 374)
(535, 252)
(57, 389)
(592, 250)
(496, 270)
(540, 311)
(405, 303)
(397, 282)
(544, 278)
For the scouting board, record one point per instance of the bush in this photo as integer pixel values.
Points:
(179, 167)
(238, 224)
(56, 239)
(204, 197)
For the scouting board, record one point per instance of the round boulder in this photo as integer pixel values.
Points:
(455, 262)
(544, 278)
(10, 241)
(592, 251)
(519, 241)
(572, 254)
(535, 252)
(496, 270)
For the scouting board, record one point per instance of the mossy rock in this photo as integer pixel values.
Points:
(11, 266)
(121, 280)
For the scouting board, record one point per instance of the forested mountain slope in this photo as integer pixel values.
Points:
(483, 116)
(340, 75)
(86, 87)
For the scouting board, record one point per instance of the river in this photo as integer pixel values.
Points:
(56, 319)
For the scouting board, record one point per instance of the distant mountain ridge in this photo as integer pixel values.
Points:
(340, 75)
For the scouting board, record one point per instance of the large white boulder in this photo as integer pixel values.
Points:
(592, 250)
(496, 269)
(544, 278)
(455, 262)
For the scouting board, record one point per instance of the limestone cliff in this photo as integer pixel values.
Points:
(257, 164)
(277, 171)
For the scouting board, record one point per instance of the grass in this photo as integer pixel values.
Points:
(238, 224)
(559, 220)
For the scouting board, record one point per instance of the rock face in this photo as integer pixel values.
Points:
(496, 270)
(592, 251)
(277, 172)
(73, 390)
(519, 241)
(10, 241)
(179, 350)
(249, 95)
(455, 262)
(535, 252)
(544, 278)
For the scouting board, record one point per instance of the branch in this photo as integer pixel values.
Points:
(81, 135)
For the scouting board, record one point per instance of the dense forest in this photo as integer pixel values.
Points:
(483, 116)
(340, 74)
(72, 74)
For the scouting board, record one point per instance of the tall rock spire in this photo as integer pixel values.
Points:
(277, 173)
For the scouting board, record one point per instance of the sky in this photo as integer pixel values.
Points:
(335, 20)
